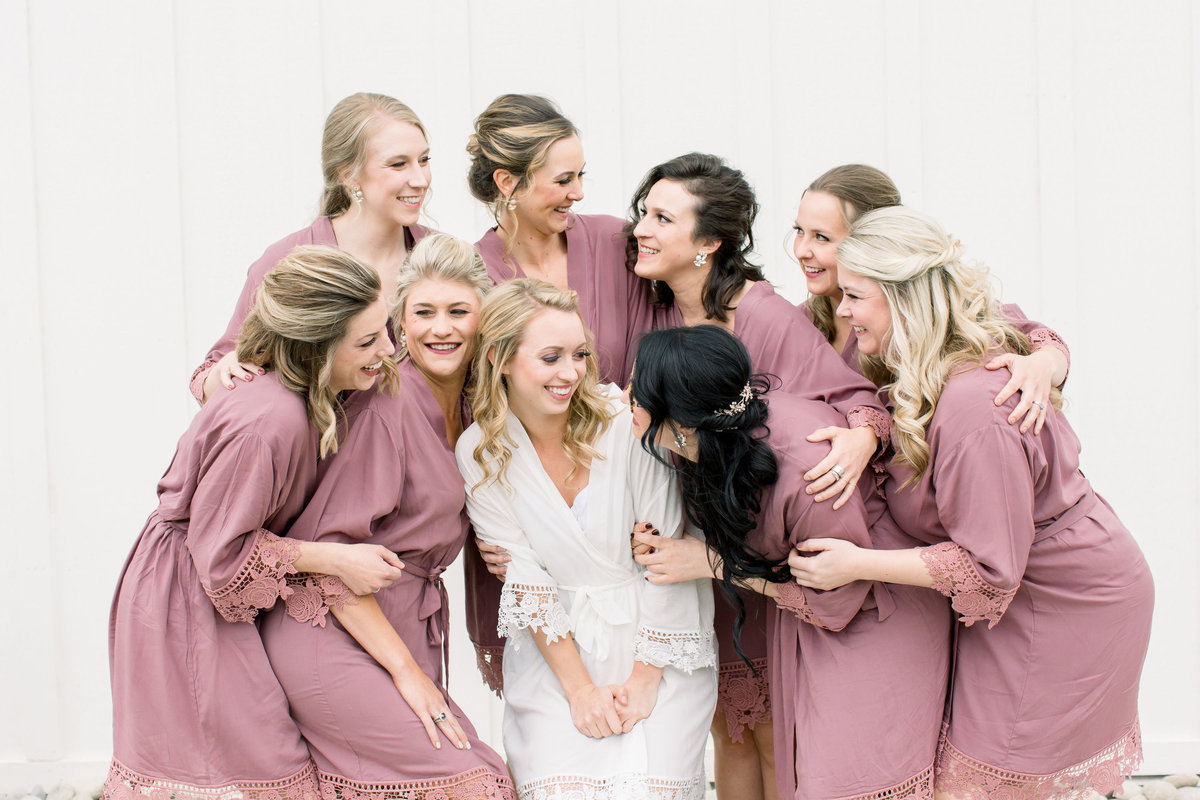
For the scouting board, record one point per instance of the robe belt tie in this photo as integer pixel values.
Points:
(1068, 518)
(596, 607)
(433, 608)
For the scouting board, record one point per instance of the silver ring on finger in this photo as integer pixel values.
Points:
(440, 718)
(838, 470)
(1042, 406)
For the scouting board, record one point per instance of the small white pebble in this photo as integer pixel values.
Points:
(1160, 790)
(1094, 795)
(1182, 779)
(1128, 790)
(38, 790)
(64, 791)
(32, 796)
(97, 790)
(1189, 793)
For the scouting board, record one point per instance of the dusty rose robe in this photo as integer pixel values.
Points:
(858, 675)
(613, 309)
(781, 341)
(393, 482)
(320, 232)
(196, 706)
(1044, 695)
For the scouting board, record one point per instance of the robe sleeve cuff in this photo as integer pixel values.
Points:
(792, 598)
(880, 423)
(955, 575)
(261, 579)
(197, 382)
(313, 596)
(534, 607)
(684, 650)
(1044, 337)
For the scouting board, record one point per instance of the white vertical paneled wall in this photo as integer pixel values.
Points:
(152, 150)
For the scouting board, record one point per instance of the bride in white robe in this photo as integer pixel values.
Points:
(572, 578)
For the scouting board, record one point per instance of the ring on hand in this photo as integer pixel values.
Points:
(1042, 406)
(440, 717)
(838, 470)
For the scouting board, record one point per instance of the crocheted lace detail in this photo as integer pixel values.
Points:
(490, 660)
(123, 783)
(744, 696)
(687, 650)
(879, 421)
(474, 784)
(621, 787)
(955, 576)
(967, 779)
(197, 386)
(1044, 337)
(262, 579)
(314, 595)
(918, 787)
(534, 607)
(791, 596)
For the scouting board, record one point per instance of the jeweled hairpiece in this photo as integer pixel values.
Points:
(739, 405)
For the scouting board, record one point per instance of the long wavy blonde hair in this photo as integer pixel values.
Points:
(944, 312)
(299, 318)
(505, 316)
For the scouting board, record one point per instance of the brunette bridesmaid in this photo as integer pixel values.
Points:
(197, 711)
(369, 695)
(375, 163)
(1042, 703)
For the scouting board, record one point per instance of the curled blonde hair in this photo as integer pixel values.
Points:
(299, 318)
(344, 143)
(858, 188)
(439, 257)
(513, 133)
(506, 314)
(944, 317)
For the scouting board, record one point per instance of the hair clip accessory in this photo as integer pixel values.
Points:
(739, 405)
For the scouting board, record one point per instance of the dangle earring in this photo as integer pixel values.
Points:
(510, 203)
(356, 193)
(403, 339)
(700, 260)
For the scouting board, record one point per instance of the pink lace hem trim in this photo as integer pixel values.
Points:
(744, 696)
(490, 660)
(967, 779)
(1044, 337)
(918, 787)
(262, 579)
(792, 597)
(312, 596)
(955, 576)
(471, 785)
(879, 421)
(123, 783)
(196, 384)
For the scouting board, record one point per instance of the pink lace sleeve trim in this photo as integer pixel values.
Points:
(963, 777)
(262, 579)
(490, 660)
(196, 384)
(123, 783)
(743, 695)
(792, 597)
(1044, 337)
(312, 596)
(880, 422)
(955, 576)
(475, 784)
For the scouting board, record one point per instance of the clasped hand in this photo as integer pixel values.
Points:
(602, 711)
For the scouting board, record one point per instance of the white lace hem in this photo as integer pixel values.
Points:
(683, 650)
(621, 787)
(531, 607)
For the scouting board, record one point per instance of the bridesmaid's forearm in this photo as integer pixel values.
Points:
(563, 659)
(366, 622)
(894, 566)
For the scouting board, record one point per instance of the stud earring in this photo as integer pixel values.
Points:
(356, 193)
(700, 260)
(680, 440)
(511, 203)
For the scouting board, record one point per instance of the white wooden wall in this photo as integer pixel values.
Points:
(151, 150)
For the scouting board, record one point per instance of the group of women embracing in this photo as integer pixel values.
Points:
(850, 538)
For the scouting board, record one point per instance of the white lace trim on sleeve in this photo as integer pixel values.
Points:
(534, 607)
(684, 650)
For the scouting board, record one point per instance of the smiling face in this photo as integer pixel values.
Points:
(548, 366)
(865, 307)
(359, 356)
(820, 226)
(440, 320)
(554, 188)
(666, 248)
(396, 175)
